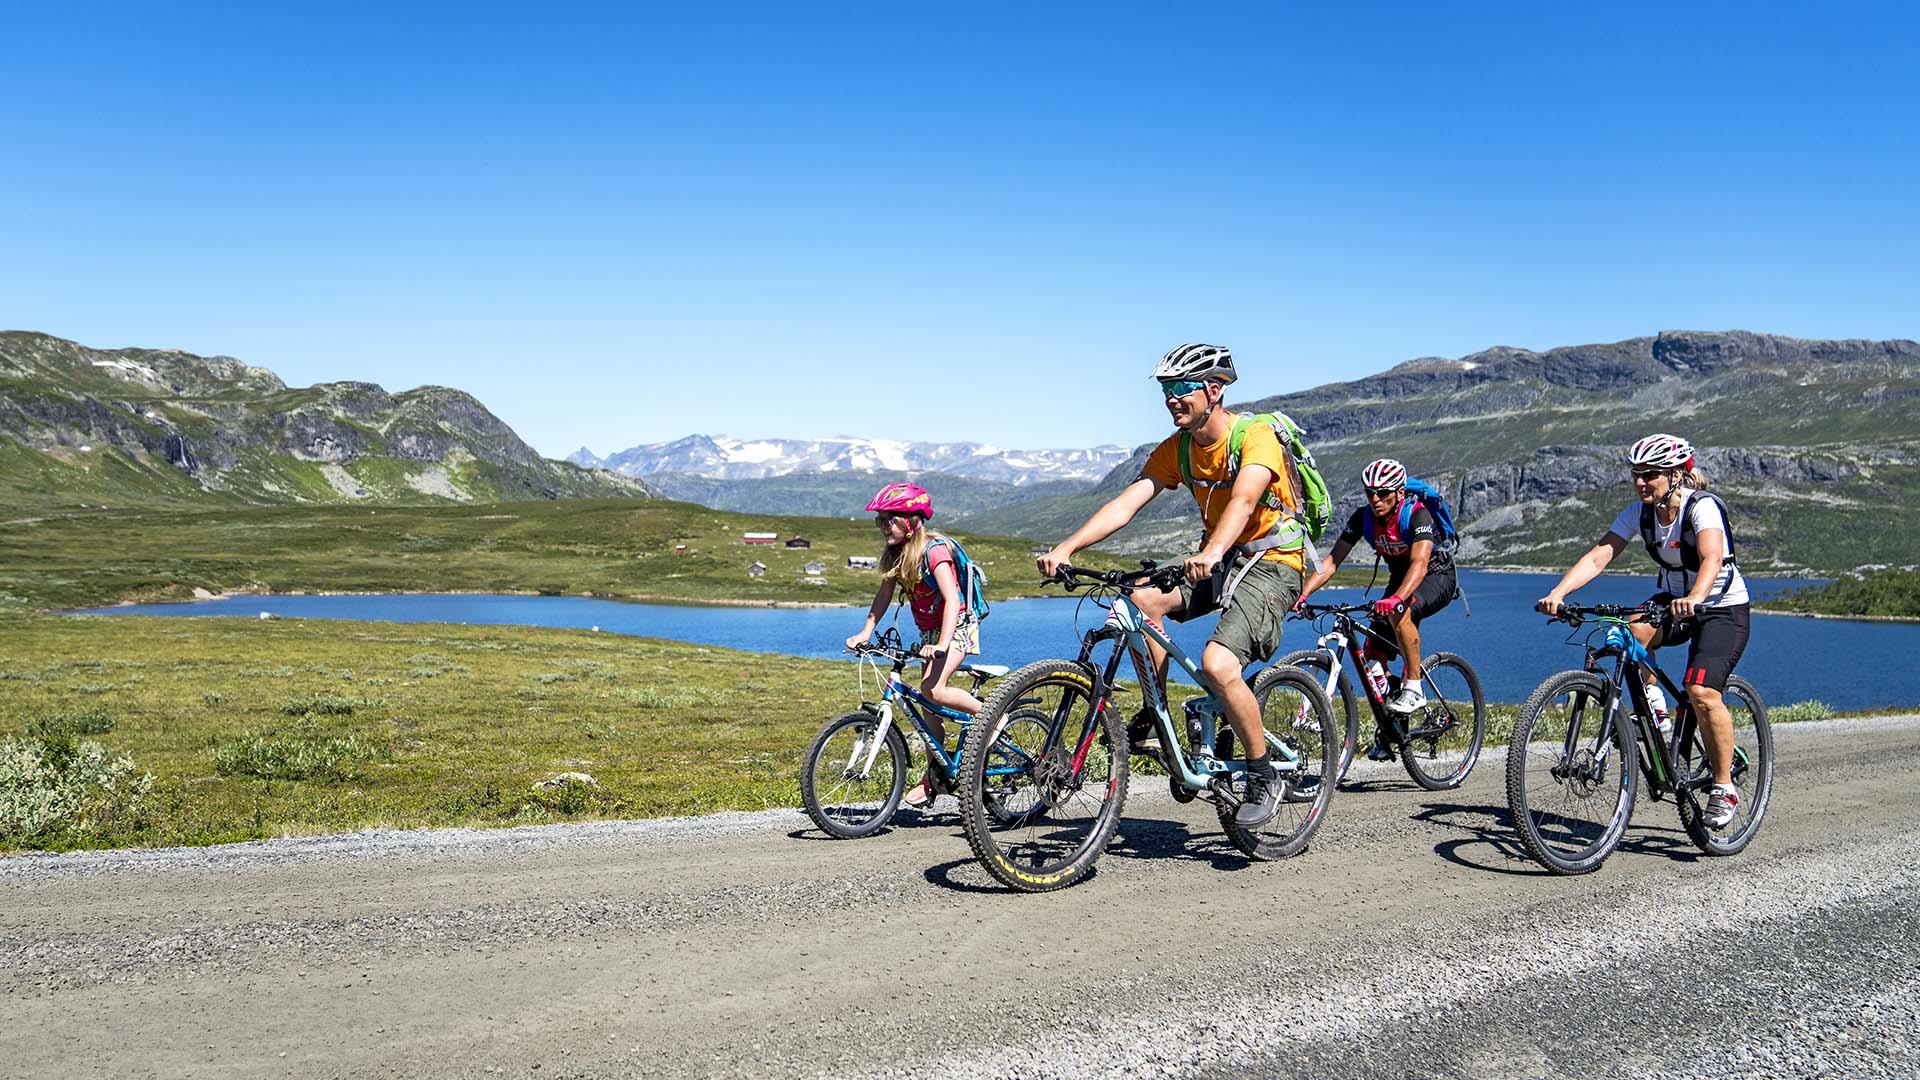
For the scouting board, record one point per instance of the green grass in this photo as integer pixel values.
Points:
(609, 547)
(255, 729)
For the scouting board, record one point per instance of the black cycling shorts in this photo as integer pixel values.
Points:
(1715, 638)
(1436, 591)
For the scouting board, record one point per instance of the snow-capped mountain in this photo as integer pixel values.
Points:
(723, 457)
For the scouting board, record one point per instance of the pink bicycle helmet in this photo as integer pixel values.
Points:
(901, 498)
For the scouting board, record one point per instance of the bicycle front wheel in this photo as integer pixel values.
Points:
(1043, 777)
(1571, 777)
(1444, 736)
(1752, 773)
(1346, 703)
(1299, 718)
(844, 795)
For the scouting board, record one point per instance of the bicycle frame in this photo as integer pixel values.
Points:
(916, 705)
(1197, 768)
(1657, 753)
(1343, 654)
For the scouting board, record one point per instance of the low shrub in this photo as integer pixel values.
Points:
(1799, 712)
(55, 791)
(62, 726)
(296, 757)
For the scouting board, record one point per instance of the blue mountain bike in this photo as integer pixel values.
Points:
(1043, 825)
(1572, 767)
(856, 770)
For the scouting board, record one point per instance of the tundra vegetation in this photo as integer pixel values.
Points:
(198, 731)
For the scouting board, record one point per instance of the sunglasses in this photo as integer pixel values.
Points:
(1648, 474)
(1380, 493)
(1180, 387)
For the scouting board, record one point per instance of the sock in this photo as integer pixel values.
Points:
(1262, 765)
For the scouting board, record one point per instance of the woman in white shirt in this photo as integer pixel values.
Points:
(1685, 529)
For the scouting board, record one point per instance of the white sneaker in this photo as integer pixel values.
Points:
(1722, 804)
(1407, 698)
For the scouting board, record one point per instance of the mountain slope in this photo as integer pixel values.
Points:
(160, 427)
(1814, 443)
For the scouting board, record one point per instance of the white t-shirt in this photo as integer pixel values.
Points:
(1729, 589)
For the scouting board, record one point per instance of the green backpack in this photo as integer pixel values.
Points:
(1299, 526)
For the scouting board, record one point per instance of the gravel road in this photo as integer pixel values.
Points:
(1412, 939)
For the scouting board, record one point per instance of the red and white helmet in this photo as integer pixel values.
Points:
(901, 498)
(1662, 451)
(1383, 474)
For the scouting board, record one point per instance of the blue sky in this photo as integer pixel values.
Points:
(619, 224)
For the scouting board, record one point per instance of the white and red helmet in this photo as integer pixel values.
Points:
(1383, 475)
(1662, 451)
(901, 498)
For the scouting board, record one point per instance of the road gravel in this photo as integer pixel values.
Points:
(1413, 938)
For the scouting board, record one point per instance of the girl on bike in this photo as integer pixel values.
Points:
(921, 564)
(1685, 529)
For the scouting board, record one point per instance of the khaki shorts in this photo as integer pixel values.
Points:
(1250, 629)
(966, 637)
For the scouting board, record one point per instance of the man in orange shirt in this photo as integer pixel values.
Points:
(1250, 556)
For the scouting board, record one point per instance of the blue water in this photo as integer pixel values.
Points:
(1850, 665)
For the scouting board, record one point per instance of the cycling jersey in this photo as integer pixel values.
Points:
(1729, 588)
(1397, 550)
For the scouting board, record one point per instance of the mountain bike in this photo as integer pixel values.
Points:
(1572, 769)
(1072, 740)
(856, 769)
(1439, 742)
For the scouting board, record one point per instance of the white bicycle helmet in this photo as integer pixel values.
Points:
(1197, 362)
(1383, 474)
(1662, 451)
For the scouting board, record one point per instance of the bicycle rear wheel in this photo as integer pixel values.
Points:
(845, 798)
(1346, 703)
(1571, 798)
(1296, 713)
(1043, 777)
(1443, 737)
(1752, 773)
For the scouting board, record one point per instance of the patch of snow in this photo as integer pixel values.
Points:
(138, 370)
(754, 453)
(1468, 365)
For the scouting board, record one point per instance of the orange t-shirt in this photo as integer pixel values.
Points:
(1258, 446)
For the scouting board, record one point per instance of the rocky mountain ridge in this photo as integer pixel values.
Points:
(130, 426)
(1815, 444)
(723, 457)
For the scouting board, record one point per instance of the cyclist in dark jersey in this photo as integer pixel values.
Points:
(1421, 579)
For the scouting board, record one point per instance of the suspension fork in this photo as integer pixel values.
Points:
(883, 722)
(1101, 700)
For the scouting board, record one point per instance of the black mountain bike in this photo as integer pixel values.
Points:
(1571, 765)
(1439, 742)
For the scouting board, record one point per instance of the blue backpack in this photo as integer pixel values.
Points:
(972, 579)
(1446, 535)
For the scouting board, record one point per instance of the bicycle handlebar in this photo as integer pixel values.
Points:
(1164, 578)
(1314, 611)
(1575, 614)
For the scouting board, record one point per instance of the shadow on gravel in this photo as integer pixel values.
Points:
(1137, 838)
(1141, 838)
(1492, 827)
